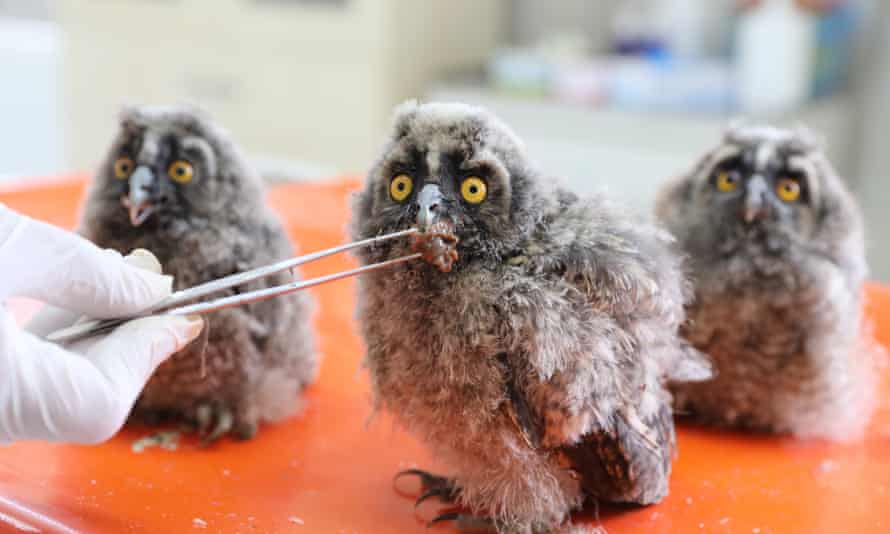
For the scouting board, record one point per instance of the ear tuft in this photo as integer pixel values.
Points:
(128, 115)
(402, 116)
(734, 127)
(807, 140)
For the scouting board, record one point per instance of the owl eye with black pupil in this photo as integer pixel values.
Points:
(788, 189)
(400, 187)
(181, 171)
(727, 181)
(123, 167)
(473, 190)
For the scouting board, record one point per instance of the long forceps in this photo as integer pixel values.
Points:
(182, 302)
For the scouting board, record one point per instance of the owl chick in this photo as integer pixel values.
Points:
(776, 253)
(174, 183)
(530, 351)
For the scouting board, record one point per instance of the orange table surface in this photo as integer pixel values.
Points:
(330, 470)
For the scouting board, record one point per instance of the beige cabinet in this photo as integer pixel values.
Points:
(304, 81)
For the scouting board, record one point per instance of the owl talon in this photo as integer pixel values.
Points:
(224, 425)
(464, 522)
(245, 431)
(204, 418)
(430, 485)
(447, 516)
(214, 421)
(443, 493)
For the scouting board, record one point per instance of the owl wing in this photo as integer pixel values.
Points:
(618, 261)
(629, 463)
(621, 457)
(625, 268)
(598, 356)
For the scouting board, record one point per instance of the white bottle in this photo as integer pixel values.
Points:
(775, 47)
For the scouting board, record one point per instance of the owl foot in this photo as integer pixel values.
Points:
(430, 486)
(216, 420)
(245, 431)
(464, 522)
(445, 490)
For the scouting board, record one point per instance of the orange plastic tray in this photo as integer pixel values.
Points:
(331, 469)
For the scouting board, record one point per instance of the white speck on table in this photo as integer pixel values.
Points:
(827, 466)
(295, 520)
(199, 523)
(168, 441)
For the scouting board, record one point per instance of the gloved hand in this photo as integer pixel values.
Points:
(82, 392)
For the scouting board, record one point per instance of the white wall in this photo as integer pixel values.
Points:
(30, 136)
(873, 184)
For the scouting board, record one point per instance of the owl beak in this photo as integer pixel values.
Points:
(139, 201)
(429, 203)
(755, 205)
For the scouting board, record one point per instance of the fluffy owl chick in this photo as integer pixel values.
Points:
(532, 361)
(775, 247)
(174, 183)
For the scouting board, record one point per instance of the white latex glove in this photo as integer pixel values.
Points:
(83, 392)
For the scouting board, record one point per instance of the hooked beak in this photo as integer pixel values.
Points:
(755, 195)
(429, 203)
(139, 201)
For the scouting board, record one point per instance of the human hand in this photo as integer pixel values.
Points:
(84, 391)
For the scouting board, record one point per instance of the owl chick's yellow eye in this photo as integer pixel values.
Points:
(122, 168)
(400, 187)
(788, 189)
(181, 171)
(473, 189)
(727, 182)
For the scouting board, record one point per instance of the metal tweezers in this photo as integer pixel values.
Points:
(182, 302)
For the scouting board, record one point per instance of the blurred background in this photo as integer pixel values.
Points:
(608, 94)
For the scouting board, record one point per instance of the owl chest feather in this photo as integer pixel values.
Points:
(193, 254)
(763, 324)
(459, 350)
(437, 348)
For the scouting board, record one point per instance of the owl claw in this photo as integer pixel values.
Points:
(428, 480)
(204, 418)
(246, 431)
(464, 522)
(213, 422)
(443, 493)
(447, 516)
(224, 425)
(430, 485)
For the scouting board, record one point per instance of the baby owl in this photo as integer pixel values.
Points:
(776, 253)
(175, 184)
(529, 351)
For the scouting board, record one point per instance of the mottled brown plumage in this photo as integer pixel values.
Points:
(534, 366)
(257, 358)
(775, 246)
